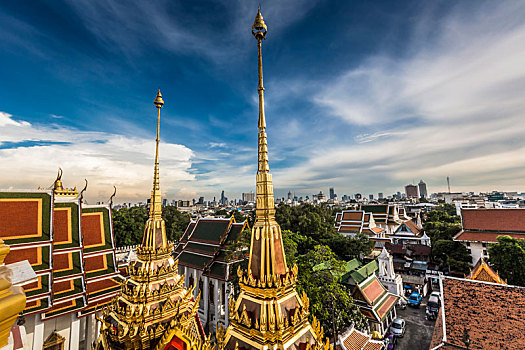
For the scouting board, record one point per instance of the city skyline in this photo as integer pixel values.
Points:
(391, 98)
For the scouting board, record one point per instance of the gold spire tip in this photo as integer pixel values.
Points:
(259, 28)
(159, 102)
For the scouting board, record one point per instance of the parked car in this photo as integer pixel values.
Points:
(415, 299)
(433, 306)
(436, 294)
(397, 328)
(390, 341)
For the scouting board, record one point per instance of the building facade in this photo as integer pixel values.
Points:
(203, 253)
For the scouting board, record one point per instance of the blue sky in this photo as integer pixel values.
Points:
(363, 96)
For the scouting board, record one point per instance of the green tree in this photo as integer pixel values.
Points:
(508, 258)
(330, 301)
(129, 223)
(452, 253)
(176, 222)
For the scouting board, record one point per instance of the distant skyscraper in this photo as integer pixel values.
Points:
(201, 200)
(290, 195)
(164, 202)
(371, 196)
(380, 195)
(332, 193)
(412, 191)
(248, 197)
(422, 189)
(223, 200)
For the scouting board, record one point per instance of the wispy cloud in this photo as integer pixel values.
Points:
(453, 105)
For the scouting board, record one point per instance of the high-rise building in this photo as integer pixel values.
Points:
(268, 313)
(380, 195)
(248, 197)
(422, 189)
(201, 200)
(412, 191)
(332, 193)
(371, 196)
(290, 195)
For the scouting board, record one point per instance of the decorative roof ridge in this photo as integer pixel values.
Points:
(482, 282)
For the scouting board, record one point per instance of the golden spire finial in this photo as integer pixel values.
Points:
(159, 102)
(259, 28)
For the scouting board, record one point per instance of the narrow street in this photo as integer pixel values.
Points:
(418, 330)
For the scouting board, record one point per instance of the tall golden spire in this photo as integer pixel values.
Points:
(155, 231)
(267, 254)
(268, 313)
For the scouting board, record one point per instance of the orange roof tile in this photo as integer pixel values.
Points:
(387, 305)
(373, 291)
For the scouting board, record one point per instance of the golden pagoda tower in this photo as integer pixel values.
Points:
(153, 310)
(269, 313)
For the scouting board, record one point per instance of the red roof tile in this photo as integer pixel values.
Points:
(491, 313)
(18, 218)
(490, 237)
(494, 219)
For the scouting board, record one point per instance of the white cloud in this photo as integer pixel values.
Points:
(32, 154)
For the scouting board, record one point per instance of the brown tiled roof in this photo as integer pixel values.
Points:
(494, 219)
(491, 313)
(352, 215)
(356, 340)
(490, 237)
(412, 226)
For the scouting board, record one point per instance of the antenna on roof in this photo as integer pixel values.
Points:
(448, 183)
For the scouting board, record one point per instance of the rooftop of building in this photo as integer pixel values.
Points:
(490, 315)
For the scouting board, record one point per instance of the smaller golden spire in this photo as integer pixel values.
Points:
(58, 182)
(59, 190)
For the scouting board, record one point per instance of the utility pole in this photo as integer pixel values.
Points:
(334, 328)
